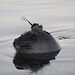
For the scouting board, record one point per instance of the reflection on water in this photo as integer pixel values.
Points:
(33, 65)
(63, 65)
(55, 15)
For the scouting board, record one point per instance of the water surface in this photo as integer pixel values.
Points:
(57, 17)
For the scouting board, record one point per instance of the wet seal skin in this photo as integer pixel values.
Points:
(34, 48)
(37, 44)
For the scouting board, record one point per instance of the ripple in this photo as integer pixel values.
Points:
(6, 46)
(64, 34)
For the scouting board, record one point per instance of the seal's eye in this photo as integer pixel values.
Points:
(40, 26)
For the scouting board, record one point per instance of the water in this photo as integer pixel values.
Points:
(57, 17)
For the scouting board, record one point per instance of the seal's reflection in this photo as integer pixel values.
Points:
(33, 65)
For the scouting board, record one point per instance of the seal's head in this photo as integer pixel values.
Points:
(36, 26)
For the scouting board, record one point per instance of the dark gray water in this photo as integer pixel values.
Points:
(57, 17)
